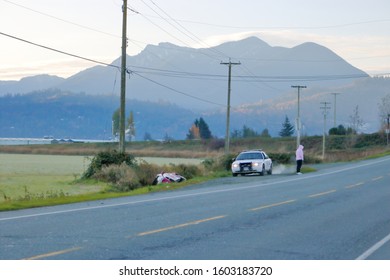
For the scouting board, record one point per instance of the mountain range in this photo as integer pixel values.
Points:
(194, 83)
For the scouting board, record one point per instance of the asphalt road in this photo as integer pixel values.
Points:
(342, 211)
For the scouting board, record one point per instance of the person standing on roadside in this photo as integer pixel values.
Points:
(299, 158)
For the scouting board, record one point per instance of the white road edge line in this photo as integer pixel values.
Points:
(298, 178)
(374, 248)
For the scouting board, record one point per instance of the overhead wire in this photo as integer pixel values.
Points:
(58, 51)
(110, 65)
(179, 74)
(63, 20)
(281, 27)
(85, 58)
(188, 33)
(178, 91)
(192, 74)
(183, 30)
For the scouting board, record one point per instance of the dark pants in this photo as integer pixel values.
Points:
(299, 165)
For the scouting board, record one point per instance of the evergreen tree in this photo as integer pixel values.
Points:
(287, 128)
(340, 130)
(199, 130)
(204, 130)
(265, 133)
(236, 134)
(147, 136)
(248, 132)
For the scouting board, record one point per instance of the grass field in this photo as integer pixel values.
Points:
(25, 176)
(32, 172)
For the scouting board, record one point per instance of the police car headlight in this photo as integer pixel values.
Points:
(255, 164)
(235, 165)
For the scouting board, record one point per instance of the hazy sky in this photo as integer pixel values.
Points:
(357, 30)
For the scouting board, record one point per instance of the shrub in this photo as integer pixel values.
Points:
(147, 172)
(107, 158)
(367, 140)
(188, 171)
(122, 177)
(281, 158)
(208, 163)
(215, 144)
(223, 162)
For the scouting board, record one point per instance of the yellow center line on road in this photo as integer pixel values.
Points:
(51, 254)
(180, 226)
(355, 185)
(321, 194)
(377, 178)
(273, 205)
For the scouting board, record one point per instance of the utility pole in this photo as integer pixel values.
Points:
(334, 117)
(227, 135)
(298, 120)
(388, 128)
(325, 108)
(122, 112)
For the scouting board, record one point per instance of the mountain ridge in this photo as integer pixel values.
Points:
(79, 115)
(169, 72)
(170, 86)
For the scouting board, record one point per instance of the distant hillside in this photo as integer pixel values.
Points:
(63, 114)
(364, 94)
(29, 84)
(195, 78)
(69, 115)
(168, 87)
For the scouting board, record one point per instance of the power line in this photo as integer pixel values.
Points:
(199, 75)
(177, 38)
(225, 26)
(178, 91)
(110, 65)
(187, 32)
(245, 78)
(59, 51)
(63, 20)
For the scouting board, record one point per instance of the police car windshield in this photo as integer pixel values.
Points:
(245, 156)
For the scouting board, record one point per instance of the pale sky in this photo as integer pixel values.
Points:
(357, 30)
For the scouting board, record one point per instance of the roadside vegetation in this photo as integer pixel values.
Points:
(77, 172)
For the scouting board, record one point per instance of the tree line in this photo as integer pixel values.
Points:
(200, 130)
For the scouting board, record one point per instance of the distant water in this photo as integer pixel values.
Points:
(40, 141)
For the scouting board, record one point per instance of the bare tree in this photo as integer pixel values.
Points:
(384, 110)
(356, 121)
(130, 131)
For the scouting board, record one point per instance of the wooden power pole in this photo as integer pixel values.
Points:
(325, 107)
(227, 135)
(122, 113)
(298, 120)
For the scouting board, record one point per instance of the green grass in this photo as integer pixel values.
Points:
(24, 177)
(42, 175)
(29, 180)
(66, 199)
